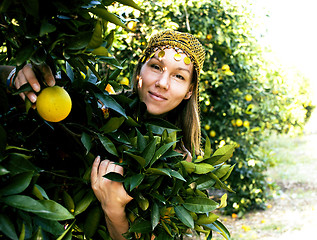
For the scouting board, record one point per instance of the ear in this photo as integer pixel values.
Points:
(189, 93)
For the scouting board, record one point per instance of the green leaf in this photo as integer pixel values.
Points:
(207, 219)
(200, 204)
(221, 155)
(222, 170)
(141, 142)
(158, 171)
(44, 208)
(184, 216)
(109, 102)
(136, 180)
(223, 201)
(204, 182)
(221, 184)
(141, 226)
(130, 3)
(96, 38)
(155, 215)
(113, 176)
(120, 136)
(159, 153)
(149, 151)
(157, 126)
(24, 54)
(225, 177)
(17, 184)
(79, 41)
(139, 159)
(84, 203)
(113, 124)
(69, 72)
(208, 149)
(46, 28)
(86, 141)
(189, 166)
(69, 228)
(104, 14)
(176, 174)
(18, 163)
(3, 171)
(7, 227)
(51, 226)
(108, 144)
(203, 168)
(220, 228)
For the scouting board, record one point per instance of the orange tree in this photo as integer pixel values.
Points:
(45, 166)
(242, 95)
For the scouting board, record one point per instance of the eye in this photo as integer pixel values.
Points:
(155, 66)
(179, 76)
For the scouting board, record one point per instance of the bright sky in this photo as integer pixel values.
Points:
(292, 33)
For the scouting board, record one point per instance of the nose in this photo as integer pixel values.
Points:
(163, 81)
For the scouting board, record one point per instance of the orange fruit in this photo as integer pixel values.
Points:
(132, 25)
(207, 127)
(209, 37)
(239, 122)
(212, 133)
(246, 124)
(248, 97)
(53, 104)
(110, 89)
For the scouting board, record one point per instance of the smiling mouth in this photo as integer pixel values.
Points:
(157, 96)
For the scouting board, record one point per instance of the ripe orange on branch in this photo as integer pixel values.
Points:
(53, 104)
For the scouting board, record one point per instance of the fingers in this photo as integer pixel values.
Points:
(27, 75)
(47, 74)
(94, 170)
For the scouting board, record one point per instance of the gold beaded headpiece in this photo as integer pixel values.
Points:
(182, 43)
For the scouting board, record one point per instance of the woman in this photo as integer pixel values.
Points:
(166, 80)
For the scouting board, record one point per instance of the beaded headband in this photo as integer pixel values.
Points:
(182, 43)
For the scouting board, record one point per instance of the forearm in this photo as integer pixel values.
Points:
(117, 224)
(4, 73)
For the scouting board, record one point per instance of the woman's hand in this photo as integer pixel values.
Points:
(112, 196)
(27, 75)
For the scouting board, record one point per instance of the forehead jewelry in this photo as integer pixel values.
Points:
(161, 54)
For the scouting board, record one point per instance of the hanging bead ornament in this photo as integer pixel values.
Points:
(177, 57)
(187, 60)
(161, 54)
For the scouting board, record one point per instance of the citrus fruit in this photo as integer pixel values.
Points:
(209, 37)
(225, 67)
(246, 124)
(207, 127)
(125, 81)
(248, 97)
(132, 25)
(239, 122)
(212, 133)
(54, 104)
(110, 89)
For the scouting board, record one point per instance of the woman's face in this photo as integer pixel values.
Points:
(164, 82)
